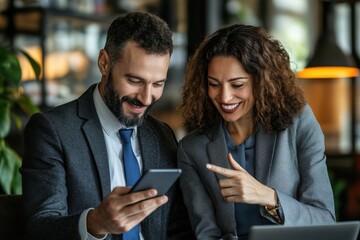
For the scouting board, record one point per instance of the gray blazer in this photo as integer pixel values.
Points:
(291, 161)
(65, 171)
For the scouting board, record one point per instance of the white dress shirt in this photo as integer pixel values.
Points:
(110, 126)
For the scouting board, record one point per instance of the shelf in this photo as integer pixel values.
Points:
(55, 31)
(28, 20)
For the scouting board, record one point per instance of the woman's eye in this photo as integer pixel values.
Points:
(237, 85)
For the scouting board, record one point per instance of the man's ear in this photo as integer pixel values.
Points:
(104, 62)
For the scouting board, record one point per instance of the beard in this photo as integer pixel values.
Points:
(115, 103)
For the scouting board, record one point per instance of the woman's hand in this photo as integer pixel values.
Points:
(240, 186)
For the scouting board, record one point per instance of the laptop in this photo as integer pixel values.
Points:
(347, 230)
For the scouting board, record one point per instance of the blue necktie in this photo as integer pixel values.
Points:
(132, 173)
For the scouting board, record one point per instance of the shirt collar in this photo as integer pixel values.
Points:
(108, 121)
(249, 142)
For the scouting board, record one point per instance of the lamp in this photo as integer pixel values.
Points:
(328, 61)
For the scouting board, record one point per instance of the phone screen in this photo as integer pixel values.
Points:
(160, 179)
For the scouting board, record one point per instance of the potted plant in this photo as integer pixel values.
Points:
(12, 97)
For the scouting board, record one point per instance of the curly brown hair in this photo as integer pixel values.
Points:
(278, 98)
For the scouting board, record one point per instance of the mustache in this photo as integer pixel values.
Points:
(132, 101)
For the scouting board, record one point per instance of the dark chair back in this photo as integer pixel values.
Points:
(12, 219)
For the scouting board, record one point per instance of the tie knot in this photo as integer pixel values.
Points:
(125, 135)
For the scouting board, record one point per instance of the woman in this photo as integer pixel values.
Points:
(256, 155)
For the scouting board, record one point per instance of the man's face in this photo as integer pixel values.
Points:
(133, 84)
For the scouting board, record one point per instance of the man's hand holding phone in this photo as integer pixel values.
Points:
(120, 211)
(126, 207)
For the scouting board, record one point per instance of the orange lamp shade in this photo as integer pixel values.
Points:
(328, 72)
(328, 60)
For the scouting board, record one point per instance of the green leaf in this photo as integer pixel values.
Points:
(7, 168)
(11, 97)
(10, 71)
(10, 177)
(17, 120)
(16, 184)
(5, 122)
(35, 65)
(27, 105)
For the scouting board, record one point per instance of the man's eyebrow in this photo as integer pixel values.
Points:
(132, 75)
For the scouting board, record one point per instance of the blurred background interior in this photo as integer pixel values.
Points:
(65, 37)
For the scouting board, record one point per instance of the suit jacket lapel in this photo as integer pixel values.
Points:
(217, 148)
(264, 153)
(150, 153)
(93, 132)
(217, 151)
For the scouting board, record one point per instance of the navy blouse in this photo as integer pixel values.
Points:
(246, 215)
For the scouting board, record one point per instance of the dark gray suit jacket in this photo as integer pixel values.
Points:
(65, 171)
(292, 162)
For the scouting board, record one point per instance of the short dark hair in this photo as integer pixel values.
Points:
(149, 31)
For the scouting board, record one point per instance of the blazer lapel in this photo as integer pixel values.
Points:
(149, 146)
(217, 148)
(264, 153)
(151, 158)
(93, 132)
(217, 151)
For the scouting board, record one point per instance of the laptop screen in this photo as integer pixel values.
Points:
(337, 231)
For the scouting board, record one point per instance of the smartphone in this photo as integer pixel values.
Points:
(160, 179)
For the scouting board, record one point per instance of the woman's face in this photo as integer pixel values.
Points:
(230, 88)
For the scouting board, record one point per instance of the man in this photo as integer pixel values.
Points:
(74, 177)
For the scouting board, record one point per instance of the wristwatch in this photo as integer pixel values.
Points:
(274, 214)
